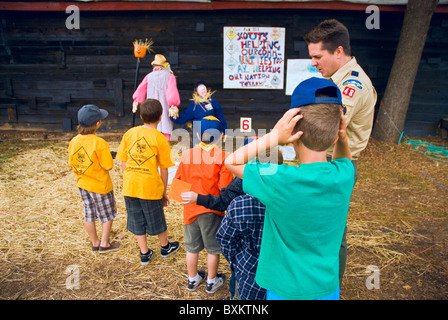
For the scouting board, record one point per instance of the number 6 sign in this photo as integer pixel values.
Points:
(245, 124)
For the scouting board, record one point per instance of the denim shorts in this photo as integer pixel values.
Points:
(201, 233)
(145, 216)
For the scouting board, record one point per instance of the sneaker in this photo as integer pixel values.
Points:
(192, 285)
(172, 247)
(145, 258)
(112, 247)
(213, 287)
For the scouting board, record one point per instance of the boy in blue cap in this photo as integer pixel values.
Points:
(203, 167)
(306, 206)
(91, 161)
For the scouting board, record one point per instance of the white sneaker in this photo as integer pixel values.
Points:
(213, 287)
(192, 285)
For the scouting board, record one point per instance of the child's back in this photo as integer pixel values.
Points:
(144, 150)
(203, 167)
(91, 160)
(304, 224)
(306, 206)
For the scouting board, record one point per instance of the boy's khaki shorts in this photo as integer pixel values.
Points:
(201, 233)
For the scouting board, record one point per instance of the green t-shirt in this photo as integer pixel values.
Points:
(306, 213)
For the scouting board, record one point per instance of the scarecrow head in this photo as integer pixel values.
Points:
(141, 47)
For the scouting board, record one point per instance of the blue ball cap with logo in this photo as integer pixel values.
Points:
(307, 92)
(210, 122)
(90, 114)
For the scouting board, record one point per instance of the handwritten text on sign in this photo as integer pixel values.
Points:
(254, 57)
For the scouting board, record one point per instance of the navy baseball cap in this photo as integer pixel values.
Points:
(305, 93)
(211, 122)
(90, 114)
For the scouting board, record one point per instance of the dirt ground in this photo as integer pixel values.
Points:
(397, 224)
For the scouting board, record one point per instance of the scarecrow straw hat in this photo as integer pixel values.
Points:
(160, 60)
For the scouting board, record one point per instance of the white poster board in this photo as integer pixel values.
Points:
(254, 57)
(297, 71)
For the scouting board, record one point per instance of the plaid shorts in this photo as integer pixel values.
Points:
(145, 216)
(98, 206)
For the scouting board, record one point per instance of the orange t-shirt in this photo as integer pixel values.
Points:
(203, 167)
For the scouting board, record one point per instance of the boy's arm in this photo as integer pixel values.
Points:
(164, 176)
(282, 133)
(123, 165)
(341, 149)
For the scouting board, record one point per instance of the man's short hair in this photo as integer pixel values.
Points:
(150, 110)
(320, 125)
(332, 33)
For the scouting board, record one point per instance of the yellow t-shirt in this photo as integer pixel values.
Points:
(90, 159)
(144, 150)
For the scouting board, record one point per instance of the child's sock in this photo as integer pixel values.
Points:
(211, 281)
(195, 278)
(167, 246)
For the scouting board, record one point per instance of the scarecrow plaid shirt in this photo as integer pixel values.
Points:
(240, 238)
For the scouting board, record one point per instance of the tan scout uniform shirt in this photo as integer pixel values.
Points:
(358, 99)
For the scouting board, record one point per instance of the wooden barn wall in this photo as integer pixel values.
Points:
(48, 72)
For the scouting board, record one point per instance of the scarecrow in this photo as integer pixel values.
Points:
(202, 105)
(160, 84)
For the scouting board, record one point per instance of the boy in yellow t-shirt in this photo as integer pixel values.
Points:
(91, 160)
(142, 151)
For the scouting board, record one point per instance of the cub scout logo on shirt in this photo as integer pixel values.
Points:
(141, 152)
(81, 160)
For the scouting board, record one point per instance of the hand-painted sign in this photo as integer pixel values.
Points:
(254, 57)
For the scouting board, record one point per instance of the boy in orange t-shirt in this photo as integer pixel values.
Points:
(203, 167)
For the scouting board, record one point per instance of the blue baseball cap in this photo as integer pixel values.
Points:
(211, 122)
(305, 93)
(90, 114)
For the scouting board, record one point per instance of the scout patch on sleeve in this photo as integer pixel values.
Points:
(344, 110)
(348, 91)
(353, 83)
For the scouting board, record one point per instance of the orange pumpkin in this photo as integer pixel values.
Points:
(139, 51)
(141, 47)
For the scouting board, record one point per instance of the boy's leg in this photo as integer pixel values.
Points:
(212, 265)
(91, 231)
(143, 245)
(163, 238)
(192, 264)
(105, 233)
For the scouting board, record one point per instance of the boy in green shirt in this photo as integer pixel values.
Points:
(306, 206)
